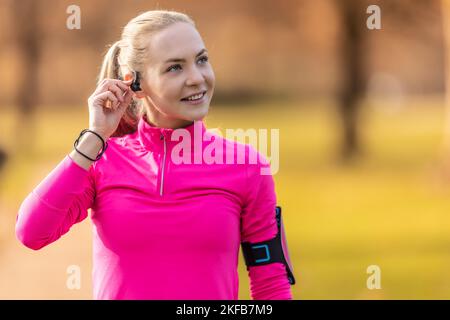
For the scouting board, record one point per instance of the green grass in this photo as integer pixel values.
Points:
(390, 208)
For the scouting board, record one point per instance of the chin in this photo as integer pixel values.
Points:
(196, 115)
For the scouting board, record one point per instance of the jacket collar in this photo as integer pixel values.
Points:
(152, 137)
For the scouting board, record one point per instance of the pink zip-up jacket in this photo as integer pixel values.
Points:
(162, 229)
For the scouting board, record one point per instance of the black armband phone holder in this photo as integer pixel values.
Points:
(270, 251)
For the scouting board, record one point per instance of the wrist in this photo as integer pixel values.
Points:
(90, 144)
(100, 132)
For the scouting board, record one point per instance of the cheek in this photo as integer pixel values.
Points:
(152, 88)
(163, 91)
(210, 76)
(170, 96)
(170, 88)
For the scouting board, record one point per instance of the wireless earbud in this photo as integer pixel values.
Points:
(136, 85)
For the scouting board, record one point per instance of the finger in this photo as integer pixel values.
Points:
(106, 83)
(118, 92)
(126, 84)
(114, 100)
(127, 100)
(108, 95)
(103, 86)
(120, 83)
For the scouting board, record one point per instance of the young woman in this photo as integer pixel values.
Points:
(163, 228)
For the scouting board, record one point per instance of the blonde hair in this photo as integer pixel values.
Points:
(132, 51)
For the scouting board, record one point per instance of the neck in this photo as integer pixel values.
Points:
(157, 119)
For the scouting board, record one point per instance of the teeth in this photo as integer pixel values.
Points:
(196, 97)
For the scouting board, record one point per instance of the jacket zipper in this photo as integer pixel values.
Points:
(163, 166)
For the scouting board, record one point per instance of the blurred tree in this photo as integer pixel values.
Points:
(353, 21)
(408, 18)
(3, 157)
(26, 17)
(446, 36)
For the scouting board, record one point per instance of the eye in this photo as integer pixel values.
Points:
(204, 58)
(170, 68)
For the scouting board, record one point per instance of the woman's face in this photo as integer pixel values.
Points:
(178, 67)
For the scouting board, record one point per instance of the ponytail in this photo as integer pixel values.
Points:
(110, 66)
(111, 70)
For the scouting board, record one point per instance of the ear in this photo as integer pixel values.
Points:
(128, 76)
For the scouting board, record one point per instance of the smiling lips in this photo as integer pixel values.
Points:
(196, 96)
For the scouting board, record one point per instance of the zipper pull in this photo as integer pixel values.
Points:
(161, 137)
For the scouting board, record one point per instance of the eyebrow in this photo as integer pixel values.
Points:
(183, 60)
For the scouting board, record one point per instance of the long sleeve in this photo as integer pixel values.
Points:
(258, 223)
(59, 201)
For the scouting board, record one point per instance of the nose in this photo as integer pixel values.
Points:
(195, 77)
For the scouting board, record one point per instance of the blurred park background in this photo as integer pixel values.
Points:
(363, 114)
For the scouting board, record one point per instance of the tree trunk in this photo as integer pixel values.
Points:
(353, 21)
(446, 33)
(26, 28)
